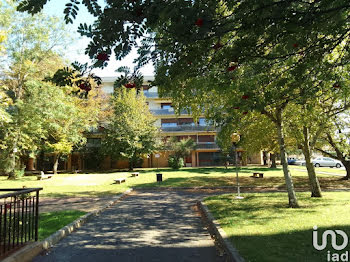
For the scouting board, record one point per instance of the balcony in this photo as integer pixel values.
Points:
(189, 128)
(151, 94)
(207, 145)
(161, 112)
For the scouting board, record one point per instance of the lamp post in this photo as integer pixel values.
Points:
(235, 139)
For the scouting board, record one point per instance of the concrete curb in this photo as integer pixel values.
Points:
(244, 189)
(30, 251)
(221, 236)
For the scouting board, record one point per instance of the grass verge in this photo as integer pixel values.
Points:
(262, 228)
(102, 184)
(50, 222)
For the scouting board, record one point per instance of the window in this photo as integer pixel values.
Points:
(167, 107)
(169, 124)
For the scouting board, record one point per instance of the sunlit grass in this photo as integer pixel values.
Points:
(263, 229)
(50, 222)
(102, 184)
(340, 171)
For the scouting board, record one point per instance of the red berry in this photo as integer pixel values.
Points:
(130, 85)
(217, 46)
(102, 57)
(245, 97)
(295, 45)
(244, 113)
(139, 12)
(231, 68)
(199, 22)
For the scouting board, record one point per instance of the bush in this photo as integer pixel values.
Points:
(175, 163)
(19, 172)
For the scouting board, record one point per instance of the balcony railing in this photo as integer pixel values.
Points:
(207, 145)
(168, 112)
(151, 94)
(19, 218)
(188, 128)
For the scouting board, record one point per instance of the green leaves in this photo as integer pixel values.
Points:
(130, 132)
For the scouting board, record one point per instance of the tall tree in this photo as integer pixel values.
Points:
(130, 133)
(31, 54)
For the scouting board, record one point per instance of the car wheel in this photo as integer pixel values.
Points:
(338, 165)
(317, 165)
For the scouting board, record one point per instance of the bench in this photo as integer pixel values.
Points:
(120, 180)
(135, 174)
(42, 176)
(258, 175)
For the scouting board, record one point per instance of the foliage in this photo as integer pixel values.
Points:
(181, 148)
(175, 163)
(130, 132)
(181, 30)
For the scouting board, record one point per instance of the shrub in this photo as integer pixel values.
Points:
(19, 172)
(175, 163)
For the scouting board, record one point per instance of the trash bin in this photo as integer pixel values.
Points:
(159, 177)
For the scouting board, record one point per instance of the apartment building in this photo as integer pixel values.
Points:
(207, 152)
(181, 126)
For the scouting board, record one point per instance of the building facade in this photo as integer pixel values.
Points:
(181, 126)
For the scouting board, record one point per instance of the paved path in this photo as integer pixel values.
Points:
(87, 204)
(147, 226)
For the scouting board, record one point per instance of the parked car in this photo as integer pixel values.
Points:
(326, 161)
(291, 161)
(300, 162)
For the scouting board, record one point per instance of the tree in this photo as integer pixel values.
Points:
(278, 47)
(337, 139)
(179, 29)
(259, 134)
(31, 54)
(180, 150)
(130, 133)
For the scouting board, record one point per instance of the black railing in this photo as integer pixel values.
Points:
(19, 218)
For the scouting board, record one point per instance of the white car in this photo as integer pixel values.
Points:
(326, 161)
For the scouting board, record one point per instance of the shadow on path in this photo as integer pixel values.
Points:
(147, 226)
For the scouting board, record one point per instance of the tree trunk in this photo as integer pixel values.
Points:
(273, 160)
(131, 164)
(293, 202)
(12, 174)
(55, 163)
(347, 167)
(40, 163)
(313, 181)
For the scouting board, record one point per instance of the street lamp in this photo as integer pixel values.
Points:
(235, 139)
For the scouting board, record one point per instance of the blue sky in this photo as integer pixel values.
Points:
(56, 7)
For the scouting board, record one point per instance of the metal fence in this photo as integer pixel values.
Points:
(19, 218)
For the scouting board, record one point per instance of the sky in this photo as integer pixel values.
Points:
(77, 49)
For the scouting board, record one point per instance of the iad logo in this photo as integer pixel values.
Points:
(333, 234)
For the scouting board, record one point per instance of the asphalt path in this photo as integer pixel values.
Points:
(146, 226)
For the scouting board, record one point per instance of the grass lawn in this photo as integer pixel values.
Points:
(50, 222)
(262, 228)
(339, 171)
(102, 184)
